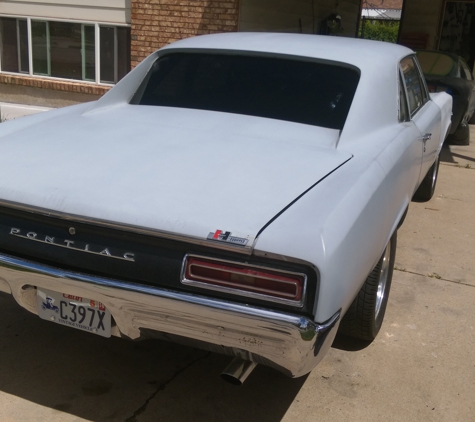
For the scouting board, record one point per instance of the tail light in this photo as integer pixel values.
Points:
(245, 280)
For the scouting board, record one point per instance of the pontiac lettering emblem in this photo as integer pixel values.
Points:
(73, 244)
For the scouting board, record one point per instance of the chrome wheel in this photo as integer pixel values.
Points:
(382, 282)
(365, 316)
(426, 189)
(435, 172)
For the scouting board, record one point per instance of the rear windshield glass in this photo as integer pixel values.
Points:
(306, 92)
(436, 64)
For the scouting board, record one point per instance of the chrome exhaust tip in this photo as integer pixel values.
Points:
(237, 371)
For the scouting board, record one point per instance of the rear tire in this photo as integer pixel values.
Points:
(426, 189)
(365, 316)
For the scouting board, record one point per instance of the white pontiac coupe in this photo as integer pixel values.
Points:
(238, 192)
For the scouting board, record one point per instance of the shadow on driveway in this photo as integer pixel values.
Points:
(113, 379)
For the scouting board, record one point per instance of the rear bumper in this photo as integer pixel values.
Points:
(290, 343)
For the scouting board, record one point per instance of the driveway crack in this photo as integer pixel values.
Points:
(437, 277)
(162, 387)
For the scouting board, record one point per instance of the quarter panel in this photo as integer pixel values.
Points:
(343, 224)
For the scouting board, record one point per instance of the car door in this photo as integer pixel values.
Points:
(424, 113)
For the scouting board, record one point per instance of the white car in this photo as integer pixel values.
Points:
(237, 192)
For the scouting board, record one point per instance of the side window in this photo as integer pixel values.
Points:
(416, 90)
(465, 71)
(403, 111)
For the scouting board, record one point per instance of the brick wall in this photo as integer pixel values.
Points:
(156, 23)
(35, 82)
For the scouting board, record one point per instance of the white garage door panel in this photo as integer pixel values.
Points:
(114, 11)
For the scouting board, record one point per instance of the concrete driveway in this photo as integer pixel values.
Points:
(420, 368)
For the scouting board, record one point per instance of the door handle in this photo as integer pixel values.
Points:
(425, 138)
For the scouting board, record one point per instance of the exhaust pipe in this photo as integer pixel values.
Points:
(237, 371)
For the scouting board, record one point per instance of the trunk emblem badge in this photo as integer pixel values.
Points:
(220, 236)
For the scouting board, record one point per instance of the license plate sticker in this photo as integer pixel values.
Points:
(74, 311)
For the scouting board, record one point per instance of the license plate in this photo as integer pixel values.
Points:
(74, 311)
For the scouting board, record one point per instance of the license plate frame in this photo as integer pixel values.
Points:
(74, 311)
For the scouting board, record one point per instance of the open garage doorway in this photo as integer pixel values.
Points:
(457, 30)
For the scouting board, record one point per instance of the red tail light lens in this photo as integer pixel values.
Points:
(279, 286)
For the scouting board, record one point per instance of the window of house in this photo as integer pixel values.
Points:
(14, 39)
(115, 52)
(77, 51)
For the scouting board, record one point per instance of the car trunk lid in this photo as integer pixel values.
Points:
(186, 172)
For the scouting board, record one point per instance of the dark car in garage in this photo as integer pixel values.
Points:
(450, 73)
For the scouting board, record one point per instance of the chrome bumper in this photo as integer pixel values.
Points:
(292, 344)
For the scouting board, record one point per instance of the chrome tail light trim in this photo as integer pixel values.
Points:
(235, 291)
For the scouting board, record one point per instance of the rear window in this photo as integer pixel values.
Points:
(307, 92)
(436, 64)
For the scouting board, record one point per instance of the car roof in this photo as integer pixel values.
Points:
(375, 100)
(357, 52)
(374, 106)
